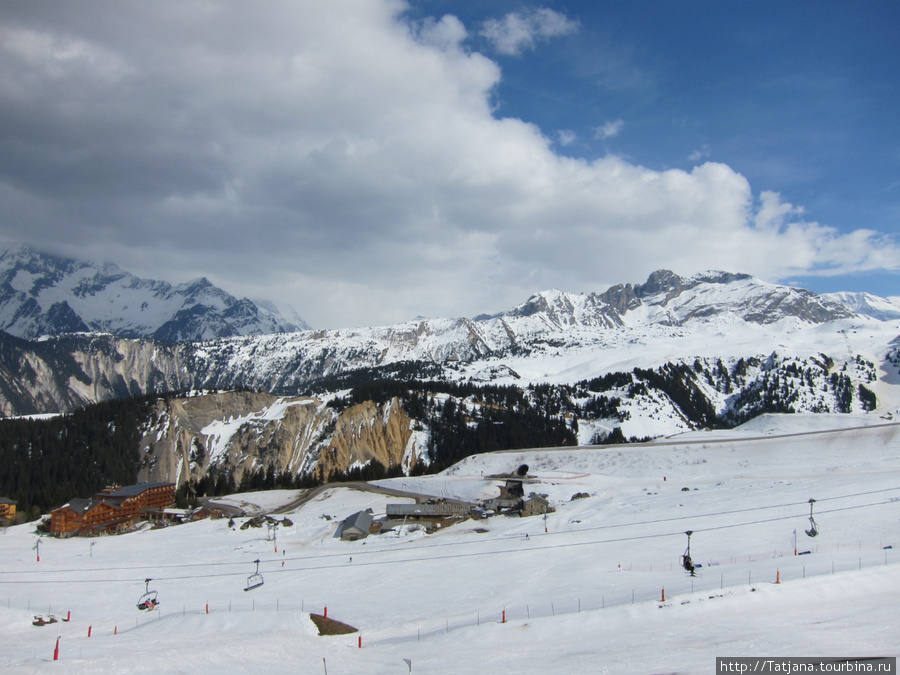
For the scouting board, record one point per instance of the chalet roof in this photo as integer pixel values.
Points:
(82, 506)
(361, 520)
(78, 505)
(130, 490)
(7, 500)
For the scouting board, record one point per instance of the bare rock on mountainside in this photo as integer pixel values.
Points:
(235, 432)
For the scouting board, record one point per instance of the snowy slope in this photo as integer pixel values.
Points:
(562, 337)
(867, 304)
(582, 590)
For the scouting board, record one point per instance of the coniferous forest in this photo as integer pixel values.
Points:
(46, 462)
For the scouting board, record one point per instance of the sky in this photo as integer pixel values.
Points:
(372, 162)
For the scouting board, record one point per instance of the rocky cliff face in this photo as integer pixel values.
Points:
(68, 372)
(236, 432)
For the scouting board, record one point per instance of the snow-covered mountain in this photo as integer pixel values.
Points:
(42, 294)
(639, 324)
(665, 357)
(867, 304)
(553, 337)
(667, 299)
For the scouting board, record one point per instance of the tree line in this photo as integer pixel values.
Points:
(45, 462)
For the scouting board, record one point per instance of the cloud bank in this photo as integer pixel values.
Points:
(344, 159)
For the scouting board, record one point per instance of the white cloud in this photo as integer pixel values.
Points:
(446, 33)
(566, 137)
(520, 31)
(703, 152)
(333, 157)
(608, 129)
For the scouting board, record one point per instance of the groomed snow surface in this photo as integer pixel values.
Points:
(581, 590)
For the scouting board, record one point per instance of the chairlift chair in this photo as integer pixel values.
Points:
(149, 599)
(255, 580)
(813, 530)
(686, 561)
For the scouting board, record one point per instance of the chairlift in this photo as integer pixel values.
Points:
(149, 599)
(686, 561)
(813, 530)
(255, 580)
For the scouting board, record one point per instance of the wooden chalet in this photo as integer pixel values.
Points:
(112, 509)
(7, 510)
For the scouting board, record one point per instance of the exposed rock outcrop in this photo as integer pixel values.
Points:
(235, 432)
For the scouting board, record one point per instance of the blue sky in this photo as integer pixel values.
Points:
(371, 162)
(802, 98)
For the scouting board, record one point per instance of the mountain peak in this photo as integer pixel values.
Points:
(866, 304)
(197, 284)
(660, 281)
(44, 294)
(672, 299)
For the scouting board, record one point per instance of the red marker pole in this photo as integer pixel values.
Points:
(56, 650)
(325, 615)
(663, 599)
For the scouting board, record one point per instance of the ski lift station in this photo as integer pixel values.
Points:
(433, 513)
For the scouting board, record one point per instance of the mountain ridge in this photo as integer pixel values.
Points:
(43, 294)
(671, 355)
(553, 336)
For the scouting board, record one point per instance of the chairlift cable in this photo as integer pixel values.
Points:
(483, 541)
(450, 555)
(691, 517)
